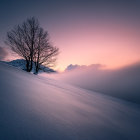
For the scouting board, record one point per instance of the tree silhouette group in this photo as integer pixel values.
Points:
(31, 42)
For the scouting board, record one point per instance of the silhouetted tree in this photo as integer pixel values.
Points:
(31, 42)
(45, 53)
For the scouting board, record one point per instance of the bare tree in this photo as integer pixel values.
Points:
(45, 53)
(31, 42)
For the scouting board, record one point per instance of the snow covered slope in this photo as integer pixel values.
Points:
(21, 64)
(35, 108)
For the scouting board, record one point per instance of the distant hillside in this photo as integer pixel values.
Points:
(21, 64)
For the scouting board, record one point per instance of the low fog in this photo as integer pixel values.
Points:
(38, 108)
(123, 83)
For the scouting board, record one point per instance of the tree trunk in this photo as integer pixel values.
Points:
(31, 65)
(27, 65)
(37, 68)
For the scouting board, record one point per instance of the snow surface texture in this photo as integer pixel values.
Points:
(36, 108)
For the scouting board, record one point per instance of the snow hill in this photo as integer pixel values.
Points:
(37, 108)
(21, 64)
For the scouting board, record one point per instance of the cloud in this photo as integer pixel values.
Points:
(75, 67)
(71, 67)
(3, 53)
(123, 83)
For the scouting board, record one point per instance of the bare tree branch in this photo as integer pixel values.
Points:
(31, 42)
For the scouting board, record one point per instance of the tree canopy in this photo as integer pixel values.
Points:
(31, 42)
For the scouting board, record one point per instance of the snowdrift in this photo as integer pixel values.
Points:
(36, 108)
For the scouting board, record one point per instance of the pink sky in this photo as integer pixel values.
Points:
(86, 31)
(110, 42)
(84, 43)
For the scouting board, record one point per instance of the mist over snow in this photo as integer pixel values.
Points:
(38, 39)
(123, 83)
(39, 108)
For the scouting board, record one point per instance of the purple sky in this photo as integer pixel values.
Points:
(86, 31)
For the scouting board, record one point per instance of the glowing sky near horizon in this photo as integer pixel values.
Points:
(87, 32)
(111, 45)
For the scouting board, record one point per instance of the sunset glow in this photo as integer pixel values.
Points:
(88, 32)
(70, 70)
(112, 45)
